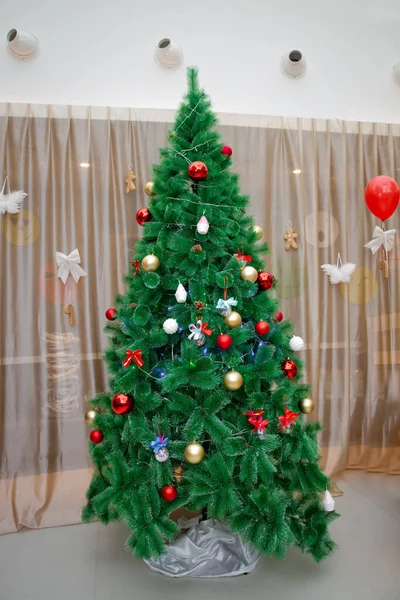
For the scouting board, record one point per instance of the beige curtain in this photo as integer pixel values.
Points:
(309, 172)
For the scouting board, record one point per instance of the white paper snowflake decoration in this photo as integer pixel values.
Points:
(10, 202)
(339, 273)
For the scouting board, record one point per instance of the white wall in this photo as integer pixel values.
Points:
(100, 52)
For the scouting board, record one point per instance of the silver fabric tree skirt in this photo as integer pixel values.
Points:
(208, 549)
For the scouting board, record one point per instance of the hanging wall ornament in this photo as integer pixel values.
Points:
(224, 307)
(296, 343)
(170, 326)
(290, 237)
(328, 502)
(159, 447)
(198, 332)
(203, 225)
(10, 202)
(130, 180)
(339, 273)
(69, 265)
(180, 294)
(382, 239)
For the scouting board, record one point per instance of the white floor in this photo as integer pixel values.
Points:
(88, 562)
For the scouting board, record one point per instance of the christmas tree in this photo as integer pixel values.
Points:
(205, 382)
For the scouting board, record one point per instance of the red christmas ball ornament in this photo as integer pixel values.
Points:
(279, 316)
(262, 328)
(227, 150)
(96, 436)
(111, 314)
(122, 404)
(169, 493)
(197, 170)
(143, 215)
(265, 280)
(289, 368)
(224, 341)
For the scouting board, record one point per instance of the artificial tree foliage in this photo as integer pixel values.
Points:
(268, 487)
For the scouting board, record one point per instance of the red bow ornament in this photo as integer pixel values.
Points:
(255, 419)
(136, 267)
(244, 257)
(135, 355)
(287, 419)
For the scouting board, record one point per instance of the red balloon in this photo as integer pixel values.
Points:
(96, 436)
(382, 196)
(289, 368)
(227, 150)
(143, 215)
(111, 314)
(224, 341)
(262, 328)
(169, 493)
(197, 170)
(122, 404)
(279, 316)
(265, 280)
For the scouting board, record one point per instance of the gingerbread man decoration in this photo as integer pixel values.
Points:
(130, 181)
(290, 238)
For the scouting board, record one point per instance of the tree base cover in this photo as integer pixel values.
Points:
(208, 426)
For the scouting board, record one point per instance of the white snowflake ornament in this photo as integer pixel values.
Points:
(170, 326)
(339, 273)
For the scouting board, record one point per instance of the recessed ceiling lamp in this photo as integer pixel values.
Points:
(168, 54)
(22, 45)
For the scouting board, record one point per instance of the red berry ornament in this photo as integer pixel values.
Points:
(143, 215)
(122, 404)
(111, 314)
(289, 368)
(262, 328)
(96, 436)
(227, 150)
(224, 341)
(279, 316)
(197, 170)
(265, 280)
(169, 493)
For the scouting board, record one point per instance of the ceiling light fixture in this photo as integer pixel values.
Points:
(168, 54)
(22, 45)
(293, 64)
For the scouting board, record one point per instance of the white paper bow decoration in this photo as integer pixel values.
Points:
(10, 202)
(69, 265)
(381, 238)
(339, 273)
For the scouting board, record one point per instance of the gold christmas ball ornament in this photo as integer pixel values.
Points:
(148, 188)
(90, 416)
(194, 453)
(233, 320)
(258, 231)
(233, 380)
(306, 406)
(249, 274)
(150, 263)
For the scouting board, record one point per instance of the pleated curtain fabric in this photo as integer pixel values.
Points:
(72, 162)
